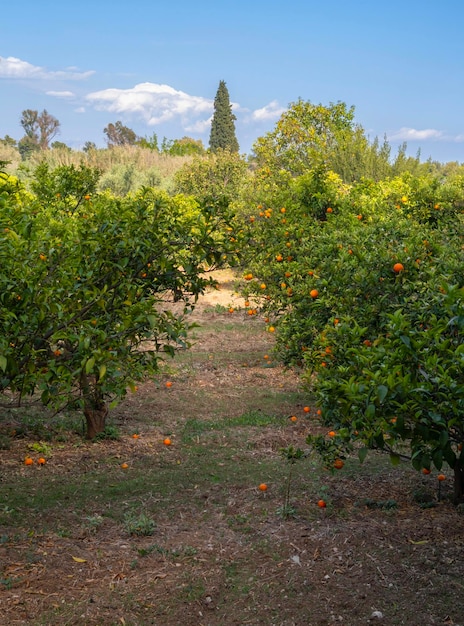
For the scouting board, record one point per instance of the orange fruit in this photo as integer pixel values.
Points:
(336, 321)
(319, 411)
(398, 267)
(321, 504)
(168, 384)
(167, 441)
(425, 470)
(338, 464)
(231, 310)
(57, 352)
(314, 293)
(28, 461)
(359, 217)
(87, 197)
(135, 436)
(248, 276)
(271, 329)
(124, 465)
(441, 477)
(279, 258)
(262, 286)
(42, 257)
(306, 409)
(331, 433)
(263, 487)
(329, 210)
(294, 418)
(41, 461)
(282, 210)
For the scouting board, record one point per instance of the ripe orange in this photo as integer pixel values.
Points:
(441, 477)
(248, 276)
(263, 487)
(87, 197)
(331, 433)
(124, 465)
(336, 321)
(294, 418)
(359, 217)
(41, 461)
(319, 411)
(314, 293)
(135, 436)
(262, 286)
(271, 329)
(338, 464)
(247, 303)
(398, 267)
(168, 384)
(167, 441)
(288, 274)
(57, 352)
(306, 409)
(28, 461)
(425, 471)
(329, 210)
(42, 257)
(231, 310)
(279, 258)
(282, 210)
(321, 504)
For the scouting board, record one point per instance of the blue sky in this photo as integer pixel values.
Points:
(156, 65)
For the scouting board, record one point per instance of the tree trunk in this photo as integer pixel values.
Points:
(95, 419)
(95, 409)
(458, 484)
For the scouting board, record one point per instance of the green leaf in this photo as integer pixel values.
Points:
(362, 453)
(382, 392)
(3, 362)
(101, 372)
(89, 365)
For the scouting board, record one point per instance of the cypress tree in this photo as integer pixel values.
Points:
(222, 125)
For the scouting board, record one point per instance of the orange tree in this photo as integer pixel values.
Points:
(364, 285)
(85, 286)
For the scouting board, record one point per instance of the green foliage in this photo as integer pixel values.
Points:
(215, 177)
(222, 136)
(183, 147)
(382, 349)
(123, 179)
(141, 525)
(119, 135)
(39, 128)
(84, 283)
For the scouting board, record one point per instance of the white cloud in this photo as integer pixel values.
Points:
(11, 67)
(154, 103)
(200, 126)
(271, 111)
(80, 110)
(60, 94)
(411, 134)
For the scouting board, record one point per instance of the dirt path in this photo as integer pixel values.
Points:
(184, 535)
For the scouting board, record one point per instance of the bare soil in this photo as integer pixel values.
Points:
(220, 551)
